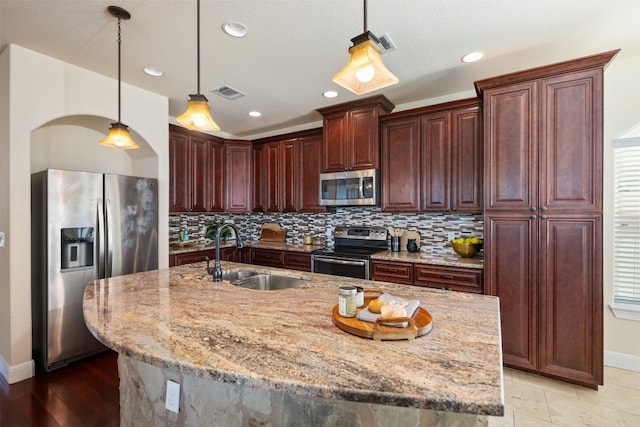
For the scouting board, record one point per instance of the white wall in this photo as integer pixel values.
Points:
(621, 116)
(46, 103)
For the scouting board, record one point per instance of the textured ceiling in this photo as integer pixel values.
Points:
(295, 46)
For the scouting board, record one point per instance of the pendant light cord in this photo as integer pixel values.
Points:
(198, 45)
(119, 42)
(365, 16)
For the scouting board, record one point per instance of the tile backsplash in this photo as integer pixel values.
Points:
(434, 229)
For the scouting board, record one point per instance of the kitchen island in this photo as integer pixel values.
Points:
(250, 357)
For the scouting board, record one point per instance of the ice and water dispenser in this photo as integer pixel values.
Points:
(76, 247)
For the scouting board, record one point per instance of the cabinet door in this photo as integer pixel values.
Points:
(268, 257)
(571, 142)
(215, 177)
(258, 179)
(511, 265)
(193, 257)
(510, 147)
(363, 138)
(310, 148)
(179, 176)
(289, 180)
(334, 141)
(271, 177)
(401, 165)
(199, 173)
(571, 297)
(436, 162)
(451, 278)
(466, 160)
(238, 177)
(297, 260)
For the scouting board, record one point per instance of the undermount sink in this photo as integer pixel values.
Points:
(269, 282)
(233, 276)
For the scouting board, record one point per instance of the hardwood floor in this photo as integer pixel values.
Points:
(83, 394)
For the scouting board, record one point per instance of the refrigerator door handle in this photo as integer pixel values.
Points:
(101, 239)
(109, 246)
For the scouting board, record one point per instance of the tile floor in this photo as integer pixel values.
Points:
(532, 400)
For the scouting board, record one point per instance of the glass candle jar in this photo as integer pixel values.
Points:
(347, 303)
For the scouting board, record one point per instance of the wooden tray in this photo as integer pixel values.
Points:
(419, 324)
(184, 244)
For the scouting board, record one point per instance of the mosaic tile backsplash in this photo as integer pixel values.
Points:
(434, 229)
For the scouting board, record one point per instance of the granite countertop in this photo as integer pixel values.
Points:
(422, 257)
(285, 340)
(205, 246)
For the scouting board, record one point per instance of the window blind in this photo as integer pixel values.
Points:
(626, 264)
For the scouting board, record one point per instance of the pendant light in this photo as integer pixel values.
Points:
(198, 114)
(118, 136)
(365, 71)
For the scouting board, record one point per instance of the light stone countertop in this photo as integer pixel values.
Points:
(178, 319)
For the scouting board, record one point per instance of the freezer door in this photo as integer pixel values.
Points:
(131, 220)
(74, 201)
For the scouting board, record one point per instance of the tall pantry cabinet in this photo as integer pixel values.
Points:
(543, 215)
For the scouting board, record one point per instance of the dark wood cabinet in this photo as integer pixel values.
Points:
(351, 138)
(287, 171)
(432, 159)
(543, 220)
(450, 278)
(267, 257)
(238, 176)
(392, 271)
(310, 149)
(297, 260)
(401, 165)
(195, 171)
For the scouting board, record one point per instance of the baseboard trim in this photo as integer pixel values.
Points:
(17, 373)
(622, 360)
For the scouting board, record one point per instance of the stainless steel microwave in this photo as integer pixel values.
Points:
(351, 188)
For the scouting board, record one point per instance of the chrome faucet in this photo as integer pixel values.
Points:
(217, 270)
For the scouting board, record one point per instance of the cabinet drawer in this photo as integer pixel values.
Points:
(395, 272)
(453, 278)
(191, 257)
(297, 260)
(268, 257)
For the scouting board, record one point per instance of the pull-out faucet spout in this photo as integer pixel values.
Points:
(217, 270)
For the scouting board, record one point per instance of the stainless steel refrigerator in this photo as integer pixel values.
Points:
(84, 226)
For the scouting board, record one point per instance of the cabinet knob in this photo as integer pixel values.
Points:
(543, 209)
(533, 217)
(446, 276)
(543, 216)
(533, 209)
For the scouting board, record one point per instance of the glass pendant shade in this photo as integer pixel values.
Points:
(365, 71)
(119, 137)
(198, 114)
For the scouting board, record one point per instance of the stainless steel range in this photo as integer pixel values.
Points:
(351, 253)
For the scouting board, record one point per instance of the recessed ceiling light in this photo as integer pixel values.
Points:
(153, 71)
(255, 113)
(472, 57)
(235, 28)
(330, 94)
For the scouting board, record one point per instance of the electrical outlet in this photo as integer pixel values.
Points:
(173, 396)
(1, 239)
(451, 235)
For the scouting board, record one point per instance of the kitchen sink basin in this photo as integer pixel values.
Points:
(269, 282)
(233, 276)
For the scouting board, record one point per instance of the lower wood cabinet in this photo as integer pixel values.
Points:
(451, 278)
(226, 254)
(441, 277)
(267, 257)
(391, 271)
(297, 260)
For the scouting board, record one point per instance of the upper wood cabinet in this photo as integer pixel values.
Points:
(351, 138)
(543, 215)
(239, 177)
(432, 159)
(196, 181)
(287, 172)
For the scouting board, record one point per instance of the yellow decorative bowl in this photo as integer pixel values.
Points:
(466, 250)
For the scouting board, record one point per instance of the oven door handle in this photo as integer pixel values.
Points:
(340, 261)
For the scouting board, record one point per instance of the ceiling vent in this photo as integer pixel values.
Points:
(228, 92)
(386, 44)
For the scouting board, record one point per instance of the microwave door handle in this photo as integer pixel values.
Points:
(361, 189)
